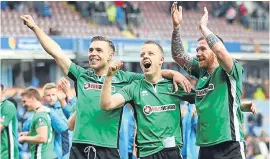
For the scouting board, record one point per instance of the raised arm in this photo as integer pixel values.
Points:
(178, 52)
(216, 45)
(107, 100)
(50, 46)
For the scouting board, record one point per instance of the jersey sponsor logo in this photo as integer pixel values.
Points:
(2, 119)
(144, 93)
(95, 86)
(205, 90)
(151, 109)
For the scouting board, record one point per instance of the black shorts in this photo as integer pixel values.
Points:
(225, 150)
(167, 153)
(87, 151)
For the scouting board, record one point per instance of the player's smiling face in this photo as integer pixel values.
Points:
(99, 54)
(204, 55)
(151, 58)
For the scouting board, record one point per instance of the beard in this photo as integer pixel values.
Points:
(208, 62)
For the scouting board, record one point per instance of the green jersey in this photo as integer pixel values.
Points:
(9, 146)
(45, 150)
(157, 112)
(218, 105)
(99, 127)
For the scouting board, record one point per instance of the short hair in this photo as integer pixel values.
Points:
(102, 38)
(48, 86)
(155, 43)
(201, 38)
(31, 92)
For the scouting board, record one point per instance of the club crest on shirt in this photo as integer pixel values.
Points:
(204, 91)
(2, 119)
(95, 86)
(152, 109)
(40, 121)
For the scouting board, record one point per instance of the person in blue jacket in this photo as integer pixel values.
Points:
(189, 127)
(59, 100)
(127, 129)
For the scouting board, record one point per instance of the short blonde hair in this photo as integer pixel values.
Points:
(31, 92)
(48, 86)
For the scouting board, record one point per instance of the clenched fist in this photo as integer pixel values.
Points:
(114, 67)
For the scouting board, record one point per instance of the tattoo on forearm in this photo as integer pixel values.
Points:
(212, 39)
(178, 52)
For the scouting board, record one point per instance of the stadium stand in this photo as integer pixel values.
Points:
(154, 22)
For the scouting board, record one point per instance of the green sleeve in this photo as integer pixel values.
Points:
(195, 68)
(127, 92)
(41, 120)
(74, 71)
(237, 71)
(131, 76)
(8, 113)
(189, 97)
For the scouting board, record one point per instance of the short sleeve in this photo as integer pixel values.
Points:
(133, 76)
(127, 92)
(74, 71)
(40, 121)
(237, 71)
(8, 113)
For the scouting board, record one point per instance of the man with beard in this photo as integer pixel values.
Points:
(218, 91)
(156, 106)
(96, 131)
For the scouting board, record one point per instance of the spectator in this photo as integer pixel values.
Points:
(59, 112)
(111, 12)
(47, 10)
(120, 15)
(231, 15)
(243, 15)
(259, 95)
(189, 125)
(54, 31)
(99, 6)
(4, 5)
(127, 133)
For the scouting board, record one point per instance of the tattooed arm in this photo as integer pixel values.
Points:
(177, 48)
(217, 46)
(178, 53)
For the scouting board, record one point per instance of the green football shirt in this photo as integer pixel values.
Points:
(157, 113)
(218, 104)
(9, 146)
(93, 125)
(45, 150)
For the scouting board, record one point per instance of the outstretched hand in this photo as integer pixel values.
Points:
(204, 19)
(176, 15)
